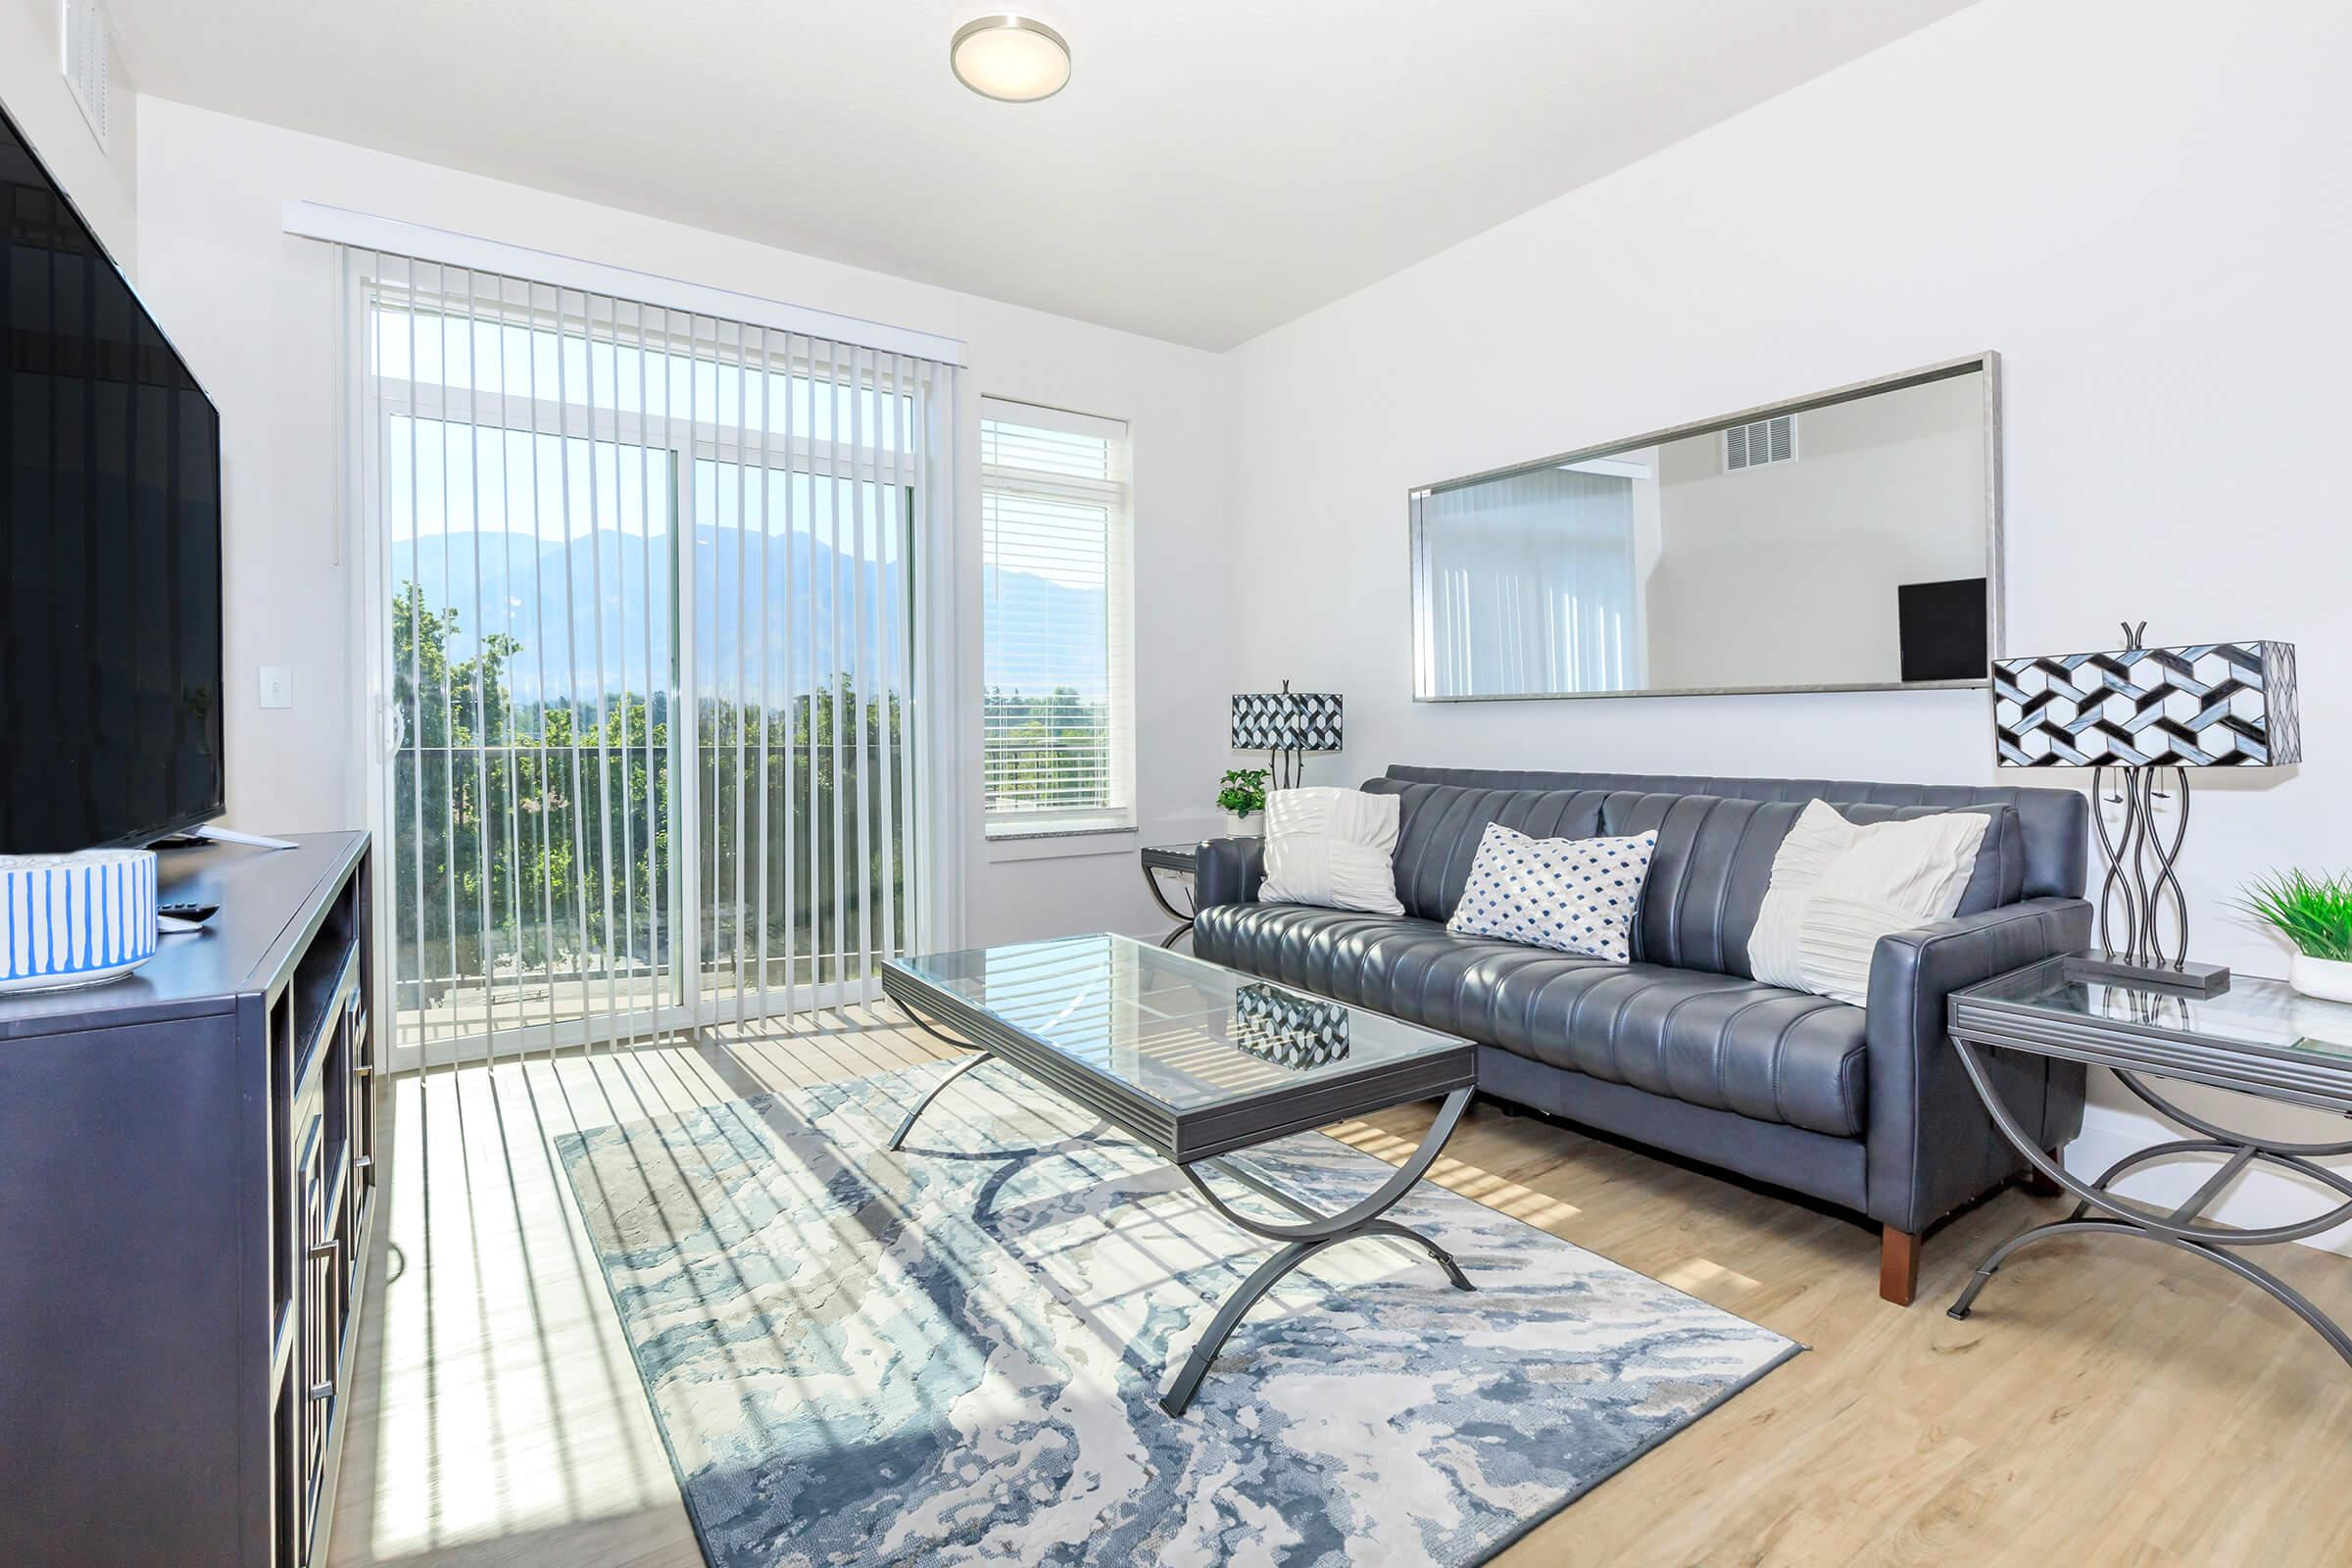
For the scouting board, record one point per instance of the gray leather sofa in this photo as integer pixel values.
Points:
(1682, 1050)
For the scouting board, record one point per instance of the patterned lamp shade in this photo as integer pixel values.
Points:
(2208, 705)
(1286, 720)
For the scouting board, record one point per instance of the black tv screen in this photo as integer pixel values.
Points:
(110, 544)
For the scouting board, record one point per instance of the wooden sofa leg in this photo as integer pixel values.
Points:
(1898, 1265)
(2041, 1185)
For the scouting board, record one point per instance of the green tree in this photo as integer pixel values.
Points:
(1046, 749)
(534, 839)
(526, 842)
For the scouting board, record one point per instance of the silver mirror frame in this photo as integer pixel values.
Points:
(1989, 362)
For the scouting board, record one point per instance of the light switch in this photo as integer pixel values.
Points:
(277, 686)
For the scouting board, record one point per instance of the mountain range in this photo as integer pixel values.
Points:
(1041, 633)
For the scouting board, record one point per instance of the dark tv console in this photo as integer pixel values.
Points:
(187, 1196)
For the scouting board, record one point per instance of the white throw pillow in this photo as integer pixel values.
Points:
(1568, 895)
(1332, 846)
(1837, 887)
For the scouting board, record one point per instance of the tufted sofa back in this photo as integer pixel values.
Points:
(1716, 842)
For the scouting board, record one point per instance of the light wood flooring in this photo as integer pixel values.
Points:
(2110, 1402)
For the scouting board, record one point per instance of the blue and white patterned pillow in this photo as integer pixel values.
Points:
(1568, 895)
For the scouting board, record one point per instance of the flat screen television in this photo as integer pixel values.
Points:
(111, 687)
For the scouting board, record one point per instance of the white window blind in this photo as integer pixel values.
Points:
(1058, 745)
(648, 610)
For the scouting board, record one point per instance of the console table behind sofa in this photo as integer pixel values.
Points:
(1867, 1108)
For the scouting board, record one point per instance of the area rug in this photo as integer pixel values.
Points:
(953, 1355)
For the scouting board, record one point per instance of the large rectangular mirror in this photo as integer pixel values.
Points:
(1846, 541)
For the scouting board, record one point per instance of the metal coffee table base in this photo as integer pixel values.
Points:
(2179, 1228)
(1303, 1242)
(1362, 1222)
(978, 1055)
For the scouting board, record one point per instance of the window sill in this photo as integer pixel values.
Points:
(1053, 844)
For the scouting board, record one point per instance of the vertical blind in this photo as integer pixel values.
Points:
(1057, 583)
(648, 594)
(1529, 586)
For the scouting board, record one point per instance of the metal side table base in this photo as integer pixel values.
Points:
(1179, 860)
(1303, 1242)
(2098, 1212)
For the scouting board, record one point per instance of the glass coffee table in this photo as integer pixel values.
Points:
(1196, 1062)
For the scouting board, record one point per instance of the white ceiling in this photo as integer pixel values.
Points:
(1214, 168)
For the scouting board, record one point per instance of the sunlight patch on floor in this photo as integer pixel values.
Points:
(1521, 1202)
(491, 1313)
(1701, 1276)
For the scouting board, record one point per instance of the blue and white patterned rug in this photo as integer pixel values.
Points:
(953, 1355)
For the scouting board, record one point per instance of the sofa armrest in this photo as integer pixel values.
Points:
(1227, 871)
(1931, 1147)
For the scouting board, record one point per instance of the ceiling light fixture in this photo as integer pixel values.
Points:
(1014, 60)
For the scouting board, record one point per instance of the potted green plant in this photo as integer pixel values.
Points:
(1242, 796)
(2315, 913)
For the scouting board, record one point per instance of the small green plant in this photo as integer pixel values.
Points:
(1243, 791)
(2314, 912)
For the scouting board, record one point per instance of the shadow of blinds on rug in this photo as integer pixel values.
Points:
(647, 590)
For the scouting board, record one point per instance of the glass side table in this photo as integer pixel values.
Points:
(2258, 1038)
(1177, 861)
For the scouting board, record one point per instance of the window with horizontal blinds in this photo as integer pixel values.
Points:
(1057, 585)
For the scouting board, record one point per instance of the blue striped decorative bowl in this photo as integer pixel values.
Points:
(75, 919)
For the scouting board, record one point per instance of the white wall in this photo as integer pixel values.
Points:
(103, 182)
(254, 312)
(2141, 206)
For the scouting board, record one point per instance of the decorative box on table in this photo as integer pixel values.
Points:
(75, 919)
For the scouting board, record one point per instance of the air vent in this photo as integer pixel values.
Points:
(1751, 446)
(88, 62)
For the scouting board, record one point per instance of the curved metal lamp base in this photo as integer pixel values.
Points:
(2180, 1227)
(1303, 1241)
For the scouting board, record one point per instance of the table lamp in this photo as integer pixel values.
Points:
(2148, 714)
(1285, 724)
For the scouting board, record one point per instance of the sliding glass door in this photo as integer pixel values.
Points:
(529, 848)
(646, 600)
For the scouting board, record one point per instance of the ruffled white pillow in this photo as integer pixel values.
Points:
(1331, 848)
(1839, 886)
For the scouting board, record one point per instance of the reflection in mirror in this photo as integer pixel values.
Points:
(1838, 540)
